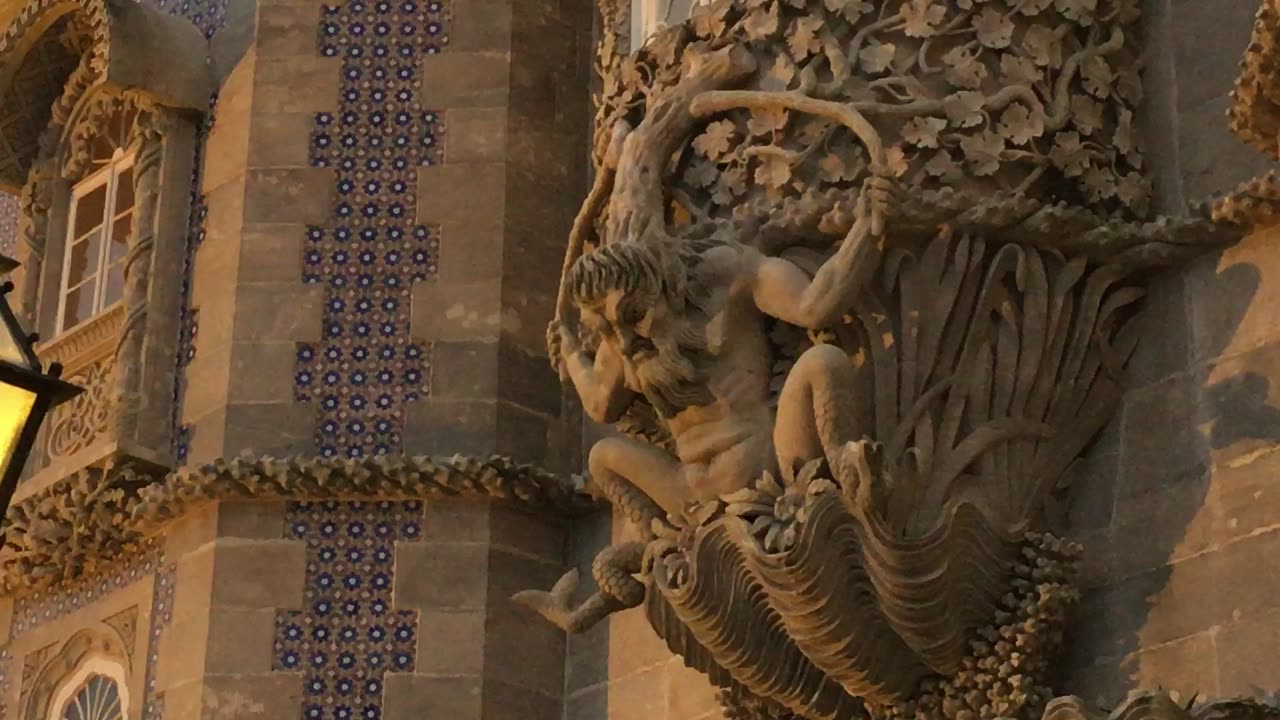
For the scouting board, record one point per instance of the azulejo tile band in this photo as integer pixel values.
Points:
(368, 256)
(347, 636)
(8, 223)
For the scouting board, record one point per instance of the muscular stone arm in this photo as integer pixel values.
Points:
(599, 383)
(787, 293)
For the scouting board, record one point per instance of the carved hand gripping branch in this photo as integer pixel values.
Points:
(857, 281)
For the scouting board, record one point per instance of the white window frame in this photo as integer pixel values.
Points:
(95, 665)
(109, 175)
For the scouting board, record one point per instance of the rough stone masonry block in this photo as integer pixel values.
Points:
(278, 312)
(288, 195)
(182, 651)
(1242, 404)
(240, 641)
(441, 576)
(464, 370)
(261, 371)
(482, 25)
(1187, 667)
(634, 697)
(287, 30)
(448, 427)
(456, 521)
(1247, 656)
(1161, 527)
(444, 310)
(1212, 159)
(296, 84)
(1233, 297)
(689, 692)
(281, 140)
(228, 143)
(416, 696)
(256, 574)
(271, 253)
(476, 135)
(457, 80)
(506, 701)
(241, 697)
(277, 429)
(1244, 495)
(1209, 39)
(452, 643)
(1160, 442)
(520, 648)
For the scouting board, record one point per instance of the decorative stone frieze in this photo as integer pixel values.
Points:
(858, 282)
(80, 522)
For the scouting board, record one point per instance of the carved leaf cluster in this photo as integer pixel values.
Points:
(1035, 97)
(98, 514)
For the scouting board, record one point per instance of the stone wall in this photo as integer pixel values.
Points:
(1177, 505)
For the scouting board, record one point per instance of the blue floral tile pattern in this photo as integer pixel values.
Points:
(42, 606)
(369, 254)
(197, 223)
(161, 616)
(8, 224)
(208, 15)
(347, 636)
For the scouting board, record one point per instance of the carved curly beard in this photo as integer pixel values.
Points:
(676, 378)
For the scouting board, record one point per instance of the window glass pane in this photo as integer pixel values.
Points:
(120, 238)
(115, 285)
(79, 305)
(90, 209)
(83, 262)
(99, 699)
(124, 191)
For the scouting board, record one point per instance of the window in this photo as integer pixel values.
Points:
(98, 228)
(97, 699)
(651, 16)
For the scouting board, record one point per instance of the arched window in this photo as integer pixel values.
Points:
(651, 16)
(99, 224)
(95, 690)
(97, 699)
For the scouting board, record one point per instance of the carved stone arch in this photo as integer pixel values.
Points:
(95, 650)
(118, 43)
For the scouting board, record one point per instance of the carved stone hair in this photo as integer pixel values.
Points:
(631, 267)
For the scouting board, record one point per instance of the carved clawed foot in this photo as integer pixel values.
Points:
(556, 608)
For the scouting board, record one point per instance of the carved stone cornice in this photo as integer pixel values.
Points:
(87, 519)
(1255, 111)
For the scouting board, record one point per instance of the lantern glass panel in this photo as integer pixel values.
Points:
(11, 346)
(16, 405)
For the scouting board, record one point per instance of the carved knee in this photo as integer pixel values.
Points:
(821, 360)
(603, 456)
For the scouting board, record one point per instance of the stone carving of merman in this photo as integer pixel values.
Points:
(685, 326)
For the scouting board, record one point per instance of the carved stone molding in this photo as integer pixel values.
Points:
(86, 344)
(87, 519)
(82, 647)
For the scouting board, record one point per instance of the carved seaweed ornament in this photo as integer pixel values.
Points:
(858, 281)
